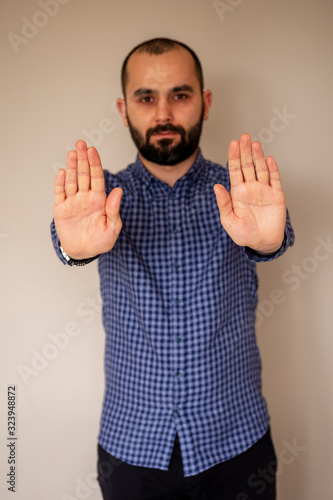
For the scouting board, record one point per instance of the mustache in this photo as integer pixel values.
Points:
(167, 127)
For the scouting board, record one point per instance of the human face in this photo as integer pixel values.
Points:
(164, 106)
(166, 151)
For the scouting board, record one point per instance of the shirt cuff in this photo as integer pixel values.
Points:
(56, 244)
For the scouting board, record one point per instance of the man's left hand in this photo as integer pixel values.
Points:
(254, 213)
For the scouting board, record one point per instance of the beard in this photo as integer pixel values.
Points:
(164, 153)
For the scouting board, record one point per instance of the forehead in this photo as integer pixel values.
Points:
(166, 70)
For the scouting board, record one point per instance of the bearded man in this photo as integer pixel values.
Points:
(177, 239)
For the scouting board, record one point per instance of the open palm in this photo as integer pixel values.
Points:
(254, 214)
(87, 222)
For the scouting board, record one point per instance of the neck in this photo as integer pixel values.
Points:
(169, 173)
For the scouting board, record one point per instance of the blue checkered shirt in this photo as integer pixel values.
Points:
(179, 300)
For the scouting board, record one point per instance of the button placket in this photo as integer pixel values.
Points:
(177, 313)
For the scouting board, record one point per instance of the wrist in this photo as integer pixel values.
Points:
(76, 262)
(266, 252)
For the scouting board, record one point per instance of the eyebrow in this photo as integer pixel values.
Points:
(146, 91)
(183, 88)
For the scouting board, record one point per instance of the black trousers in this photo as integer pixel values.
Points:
(249, 476)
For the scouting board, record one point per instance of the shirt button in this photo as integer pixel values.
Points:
(178, 338)
(173, 195)
(176, 265)
(177, 410)
(174, 230)
(178, 375)
(177, 302)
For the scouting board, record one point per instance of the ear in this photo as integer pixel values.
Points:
(121, 105)
(207, 102)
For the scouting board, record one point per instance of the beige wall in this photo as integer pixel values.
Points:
(59, 82)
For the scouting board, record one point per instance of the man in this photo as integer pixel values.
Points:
(183, 411)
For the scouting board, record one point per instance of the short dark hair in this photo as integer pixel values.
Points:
(157, 46)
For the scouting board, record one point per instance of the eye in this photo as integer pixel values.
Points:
(181, 97)
(146, 99)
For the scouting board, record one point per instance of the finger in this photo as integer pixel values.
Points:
(96, 171)
(260, 163)
(234, 165)
(83, 168)
(224, 203)
(274, 174)
(113, 207)
(71, 174)
(59, 188)
(247, 164)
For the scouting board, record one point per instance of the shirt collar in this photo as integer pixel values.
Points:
(158, 187)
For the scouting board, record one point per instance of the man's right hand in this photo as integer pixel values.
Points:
(87, 222)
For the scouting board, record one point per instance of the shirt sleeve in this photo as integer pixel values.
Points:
(56, 243)
(288, 241)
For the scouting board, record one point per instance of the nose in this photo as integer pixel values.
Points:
(163, 111)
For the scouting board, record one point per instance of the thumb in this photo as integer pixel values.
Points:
(112, 208)
(224, 203)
